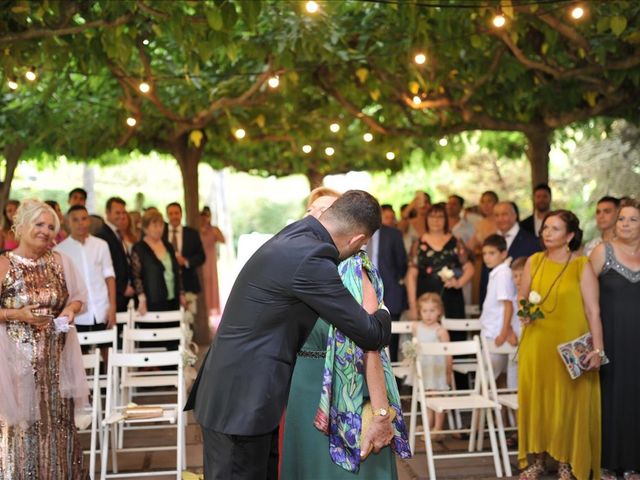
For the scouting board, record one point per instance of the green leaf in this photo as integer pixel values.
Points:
(250, 11)
(618, 24)
(229, 15)
(476, 41)
(362, 74)
(214, 19)
(603, 24)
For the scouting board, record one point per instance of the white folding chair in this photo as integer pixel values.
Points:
(401, 369)
(472, 311)
(168, 316)
(475, 400)
(507, 397)
(105, 338)
(91, 362)
(115, 411)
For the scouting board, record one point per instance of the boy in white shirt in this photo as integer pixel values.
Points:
(498, 313)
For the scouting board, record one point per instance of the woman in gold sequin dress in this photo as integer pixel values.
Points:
(41, 373)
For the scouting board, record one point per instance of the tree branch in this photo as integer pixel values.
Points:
(605, 105)
(560, 27)
(58, 32)
(526, 61)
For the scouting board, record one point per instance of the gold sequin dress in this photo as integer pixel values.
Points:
(48, 448)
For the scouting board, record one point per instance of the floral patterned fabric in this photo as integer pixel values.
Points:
(341, 400)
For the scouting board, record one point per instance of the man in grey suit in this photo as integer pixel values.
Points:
(242, 387)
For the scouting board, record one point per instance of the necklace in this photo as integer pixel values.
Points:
(553, 284)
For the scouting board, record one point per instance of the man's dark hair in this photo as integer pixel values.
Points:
(495, 241)
(75, 208)
(542, 186)
(356, 211)
(459, 198)
(610, 199)
(113, 200)
(52, 203)
(386, 206)
(516, 210)
(175, 204)
(79, 190)
(491, 194)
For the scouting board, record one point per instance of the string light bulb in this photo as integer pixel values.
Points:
(306, 148)
(420, 58)
(329, 151)
(145, 41)
(499, 20)
(390, 156)
(367, 137)
(240, 133)
(417, 100)
(12, 84)
(144, 87)
(334, 127)
(312, 7)
(131, 121)
(273, 82)
(577, 12)
(31, 75)
(443, 142)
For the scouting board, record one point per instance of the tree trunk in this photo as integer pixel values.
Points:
(537, 151)
(188, 157)
(11, 154)
(315, 178)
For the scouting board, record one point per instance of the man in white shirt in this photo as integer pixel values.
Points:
(91, 257)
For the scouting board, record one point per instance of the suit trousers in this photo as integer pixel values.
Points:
(240, 457)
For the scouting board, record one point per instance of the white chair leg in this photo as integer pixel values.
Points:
(413, 418)
(426, 432)
(114, 449)
(494, 444)
(104, 454)
(503, 443)
(472, 433)
(480, 444)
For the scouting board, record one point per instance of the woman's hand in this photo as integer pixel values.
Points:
(452, 283)
(594, 360)
(525, 321)
(25, 314)
(183, 301)
(142, 306)
(412, 313)
(68, 312)
(378, 436)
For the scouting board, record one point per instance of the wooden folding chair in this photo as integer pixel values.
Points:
(475, 400)
(116, 412)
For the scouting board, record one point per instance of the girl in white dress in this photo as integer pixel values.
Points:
(437, 371)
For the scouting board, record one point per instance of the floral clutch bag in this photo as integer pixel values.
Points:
(574, 355)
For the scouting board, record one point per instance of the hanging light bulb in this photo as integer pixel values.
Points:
(131, 121)
(420, 58)
(145, 41)
(367, 137)
(329, 151)
(312, 7)
(390, 155)
(499, 20)
(274, 81)
(240, 133)
(12, 84)
(334, 127)
(306, 148)
(443, 142)
(417, 100)
(144, 87)
(31, 75)
(577, 12)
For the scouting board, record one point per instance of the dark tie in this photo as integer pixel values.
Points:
(174, 239)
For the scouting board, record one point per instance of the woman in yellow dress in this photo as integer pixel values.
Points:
(557, 415)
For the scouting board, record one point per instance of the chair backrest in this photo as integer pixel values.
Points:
(472, 310)
(402, 326)
(461, 324)
(102, 337)
(489, 347)
(453, 349)
(130, 335)
(91, 361)
(123, 317)
(159, 317)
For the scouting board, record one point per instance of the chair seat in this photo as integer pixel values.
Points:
(465, 367)
(151, 381)
(509, 400)
(117, 416)
(442, 404)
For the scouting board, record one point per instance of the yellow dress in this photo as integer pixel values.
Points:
(558, 415)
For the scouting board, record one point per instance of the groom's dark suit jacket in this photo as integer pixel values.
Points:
(285, 286)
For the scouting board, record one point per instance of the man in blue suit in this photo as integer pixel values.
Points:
(520, 243)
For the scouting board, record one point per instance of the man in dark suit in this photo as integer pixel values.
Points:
(188, 247)
(520, 243)
(115, 219)
(541, 206)
(241, 390)
(386, 250)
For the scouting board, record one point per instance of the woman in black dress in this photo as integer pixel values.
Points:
(439, 263)
(617, 264)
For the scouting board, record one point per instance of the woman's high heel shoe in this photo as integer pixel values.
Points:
(564, 472)
(533, 471)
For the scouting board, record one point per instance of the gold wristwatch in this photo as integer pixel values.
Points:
(381, 412)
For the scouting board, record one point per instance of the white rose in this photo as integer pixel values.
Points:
(446, 274)
(534, 297)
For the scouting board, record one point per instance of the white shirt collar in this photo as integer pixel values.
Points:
(512, 232)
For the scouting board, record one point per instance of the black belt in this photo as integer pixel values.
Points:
(312, 354)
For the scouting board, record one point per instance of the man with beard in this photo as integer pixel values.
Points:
(541, 206)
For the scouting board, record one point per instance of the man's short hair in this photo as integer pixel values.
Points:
(386, 206)
(75, 208)
(113, 200)
(610, 199)
(495, 241)
(542, 186)
(458, 198)
(491, 194)
(519, 263)
(516, 210)
(174, 204)
(356, 211)
(79, 190)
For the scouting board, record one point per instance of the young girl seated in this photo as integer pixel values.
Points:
(437, 371)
